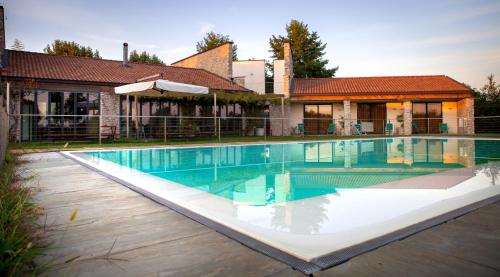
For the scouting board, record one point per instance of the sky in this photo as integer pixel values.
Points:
(458, 38)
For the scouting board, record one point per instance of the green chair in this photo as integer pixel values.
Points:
(300, 128)
(443, 127)
(358, 130)
(414, 126)
(389, 128)
(331, 129)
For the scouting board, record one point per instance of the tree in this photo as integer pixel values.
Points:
(487, 101)
(212, 40)
(70, 48)
(144, 57)
(17, 45)
(307, 51)
(491, 89)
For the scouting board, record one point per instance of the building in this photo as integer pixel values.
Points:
(412, 104)
(247, 73)
(250, 74)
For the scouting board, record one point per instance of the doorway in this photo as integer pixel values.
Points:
(374, 114)
(426, 118)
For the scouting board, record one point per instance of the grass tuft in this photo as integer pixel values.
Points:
(19, 232)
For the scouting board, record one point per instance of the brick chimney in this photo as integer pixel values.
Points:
(288, 63)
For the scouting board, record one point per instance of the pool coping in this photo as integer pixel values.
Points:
(305, 267)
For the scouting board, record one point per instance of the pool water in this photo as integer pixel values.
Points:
(259, 175)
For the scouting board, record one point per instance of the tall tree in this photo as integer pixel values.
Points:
(144, 57)
(212, 40)
(307, 51)
(487, 102)
(491, 90)
(71, 48)
(17, 45)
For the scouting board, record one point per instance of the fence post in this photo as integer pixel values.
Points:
(428, 125)
(164, 129)
(265, 128)
(219, 128)
(100, 123)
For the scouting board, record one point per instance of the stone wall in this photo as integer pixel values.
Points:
(465, 113)
(218, 60)
(110, 110)
(280, 122)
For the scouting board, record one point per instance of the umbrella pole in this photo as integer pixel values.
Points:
(136, 109)
(215, 114)
(128, 114)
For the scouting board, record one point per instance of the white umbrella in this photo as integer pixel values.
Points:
(158, 88)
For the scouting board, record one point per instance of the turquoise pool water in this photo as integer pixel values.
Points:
(275, 173)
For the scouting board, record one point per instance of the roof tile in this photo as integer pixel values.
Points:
(377, 85)
(24, 64)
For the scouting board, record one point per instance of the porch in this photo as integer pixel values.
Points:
(425, 116)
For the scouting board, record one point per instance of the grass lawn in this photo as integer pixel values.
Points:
(37, 146)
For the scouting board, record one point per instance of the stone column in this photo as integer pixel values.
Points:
(347, 118)
(465, 112)
(110, 109)
(279, 119)
(407, 117)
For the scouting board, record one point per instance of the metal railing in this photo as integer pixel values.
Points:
(37, 127)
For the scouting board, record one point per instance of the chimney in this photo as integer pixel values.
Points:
(125, 54)
(2, 33)
(288, 64)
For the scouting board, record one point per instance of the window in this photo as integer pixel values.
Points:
(57, 114)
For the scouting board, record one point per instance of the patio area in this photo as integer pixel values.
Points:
(118, 232)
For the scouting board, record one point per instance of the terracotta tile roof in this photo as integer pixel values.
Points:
(23, 64)
(377, 85)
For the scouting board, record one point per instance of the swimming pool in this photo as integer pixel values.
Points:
(312, 200)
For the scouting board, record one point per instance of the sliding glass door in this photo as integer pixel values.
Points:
(426, 117)
(317, 118)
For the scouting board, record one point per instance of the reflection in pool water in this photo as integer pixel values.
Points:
(277, 173)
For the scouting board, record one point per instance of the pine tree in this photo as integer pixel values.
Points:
(307, 51)
(212, 40)
(17, 45)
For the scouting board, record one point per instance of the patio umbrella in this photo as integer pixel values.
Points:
(158, 88)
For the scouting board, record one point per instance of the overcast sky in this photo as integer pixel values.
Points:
(458, 38)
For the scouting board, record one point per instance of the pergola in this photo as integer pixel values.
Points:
(159, 88)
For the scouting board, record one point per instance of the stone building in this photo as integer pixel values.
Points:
(411, 104)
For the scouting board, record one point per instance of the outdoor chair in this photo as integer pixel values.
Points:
(331, 129)
(357, 129)
(414, 126)
(300, 128)
(443, 128)
(389, 128)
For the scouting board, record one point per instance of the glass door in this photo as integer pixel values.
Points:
(317, 118)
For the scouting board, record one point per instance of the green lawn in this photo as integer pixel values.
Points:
(53, 146)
